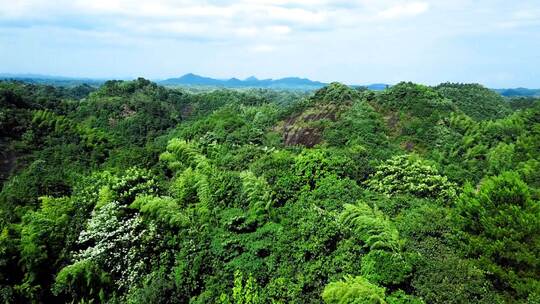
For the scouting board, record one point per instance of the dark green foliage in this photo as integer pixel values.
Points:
(336, 93)
(312, 165)
(386, 268)
(136, 193)
(414, 114)
(522, 103)
(501, 222)
(475, 100)
(82, 281)
(360, 126)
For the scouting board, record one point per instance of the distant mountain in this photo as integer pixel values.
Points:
(192, 79)
(51, 80)
(189, 79)
(519, 92)
(289, 82)
(378, 86)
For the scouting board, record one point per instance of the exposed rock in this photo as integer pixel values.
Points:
(305, 128)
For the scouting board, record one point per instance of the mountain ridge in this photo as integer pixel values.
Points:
(252, 81)
(191, 79)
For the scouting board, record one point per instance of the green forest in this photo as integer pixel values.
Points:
(131, 192)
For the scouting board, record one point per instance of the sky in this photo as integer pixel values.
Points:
(492, 42)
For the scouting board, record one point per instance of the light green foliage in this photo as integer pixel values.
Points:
(353, 290)
(191, 187)
(243, 292)
(277, 169)
(42, 238)
(232, 125)
(181, 154)
(359, 290)
(191, 184)
(494, 146)
(501, 158)
(48, 119)
(162, 209)
(408, 174)
(125, 188)
(257, 193)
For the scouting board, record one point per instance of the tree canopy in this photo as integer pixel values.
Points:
(135, 193)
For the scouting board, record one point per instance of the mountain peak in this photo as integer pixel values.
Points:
(190, 76)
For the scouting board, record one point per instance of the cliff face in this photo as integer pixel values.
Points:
(305, 128)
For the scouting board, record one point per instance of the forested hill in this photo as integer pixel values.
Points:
(137, 193)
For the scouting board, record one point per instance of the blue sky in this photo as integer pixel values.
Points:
(493, 42)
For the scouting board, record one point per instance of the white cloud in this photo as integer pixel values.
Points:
(264, 21)
(404, 10)
(374, 39)
(225, 19)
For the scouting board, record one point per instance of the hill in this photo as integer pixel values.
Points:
(475, 100)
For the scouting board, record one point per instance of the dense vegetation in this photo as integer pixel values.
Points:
(136, 193)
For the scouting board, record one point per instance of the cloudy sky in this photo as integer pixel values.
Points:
(494, 42)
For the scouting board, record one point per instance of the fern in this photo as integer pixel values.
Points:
(203, 192)
(256, 190)
(162, 209)
(371, 227)
(192, 187)
(181, 154)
